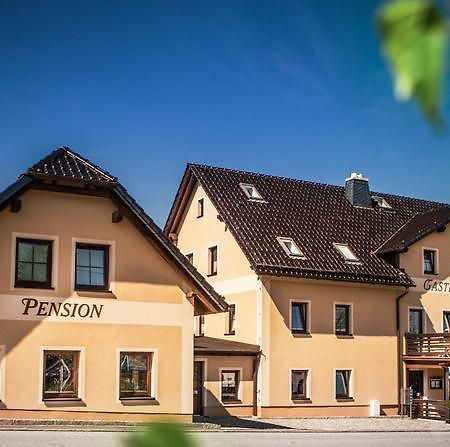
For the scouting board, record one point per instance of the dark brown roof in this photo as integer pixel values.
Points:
(314, 215)
(217, 346)
(66, 164)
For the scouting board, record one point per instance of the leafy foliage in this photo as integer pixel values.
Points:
(160, 435)
(414, 35)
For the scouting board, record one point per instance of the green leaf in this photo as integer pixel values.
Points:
(414, 35)
(160, 435)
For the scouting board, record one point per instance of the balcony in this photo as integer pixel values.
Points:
(428, 345)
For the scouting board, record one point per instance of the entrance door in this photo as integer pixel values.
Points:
(415, 381)
(198, 388)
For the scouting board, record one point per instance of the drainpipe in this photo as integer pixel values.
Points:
(399, 347)
(256, 361)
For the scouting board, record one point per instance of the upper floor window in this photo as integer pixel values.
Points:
(200, 207)
(346, 252)
(290, 247)
(342, 323)
(212, 261)
(60, 374)
(415, 321)
(299, 318)
(33, 263)
(135, 374)
(343, 377)
(201, 325)
(190, 257)
(446, 321)
(429, 262)
(250, 191)
(91, 267)
(381, 202)
(231, 320)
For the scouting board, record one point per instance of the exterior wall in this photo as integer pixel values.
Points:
(146, 309)
(212, 405)
(371, 352)
(235, 280)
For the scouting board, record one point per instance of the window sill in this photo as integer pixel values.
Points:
(343, 336)
(130, 401)
(430, 274)
(64, 402)
(229, 333)
(345, 399)
(301, 401)
(211, 274)
(95, 293)
(36, 287)
(301, 334)
(232, 402)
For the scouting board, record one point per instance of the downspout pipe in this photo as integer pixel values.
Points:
(399, 348)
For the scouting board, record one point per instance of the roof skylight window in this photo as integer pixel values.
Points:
(346, 252)
(381, 202)
(290, 247)
(250, 191)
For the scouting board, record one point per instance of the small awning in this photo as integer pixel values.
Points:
(216, 346)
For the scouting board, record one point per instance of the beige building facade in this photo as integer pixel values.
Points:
(298, 264)
(96, 305)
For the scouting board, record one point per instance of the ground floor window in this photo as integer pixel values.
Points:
(446, 321)
(60, 374)
(135, 374)
(343, 377)
(230, 383)
(299, 380)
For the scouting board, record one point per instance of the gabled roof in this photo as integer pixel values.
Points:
(314, 215)
(66, 164)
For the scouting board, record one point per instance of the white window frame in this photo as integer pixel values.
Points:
(351, 384)
(153, 372)
(111, 264)
(282, 241)
(241, 376)
(216, 245)
(258, 198)
(81, 373)
(308, 385)
(436, 261)
(424, 321)
(2, 372)
(308, 316)
(383, 200)
(227, 319)
(350, 320)
(337, 246)
(55, 255)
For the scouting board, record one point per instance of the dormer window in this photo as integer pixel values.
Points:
(290, 247)
(381, 202)
(250, 191)
(346, 252)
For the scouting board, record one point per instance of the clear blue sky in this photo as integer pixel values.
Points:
(291, 88)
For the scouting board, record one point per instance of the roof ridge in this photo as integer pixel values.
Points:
(309, 182)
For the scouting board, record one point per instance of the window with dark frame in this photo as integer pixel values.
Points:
(299, 318)
(200, 208)
(343, 384)
(33, 267)
(231, 320)
(91, 267)
(342, 319)
(60, 379)
(230, 382)
(429, 262)
(416, 321)
(190, 257)
(135, 375)
(298, 384)
(446, 321)
(201, 325)
(212, 261)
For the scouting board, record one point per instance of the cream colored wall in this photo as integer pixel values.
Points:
(371, 351)
(142, 279)
(434, 302)
(212, 385)
(235, 280)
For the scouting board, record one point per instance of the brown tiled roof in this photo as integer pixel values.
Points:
(217, 346)
(67, 164)
(314, 215)
(419, 226)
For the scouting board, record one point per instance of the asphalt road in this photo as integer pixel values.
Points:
(214, 439)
